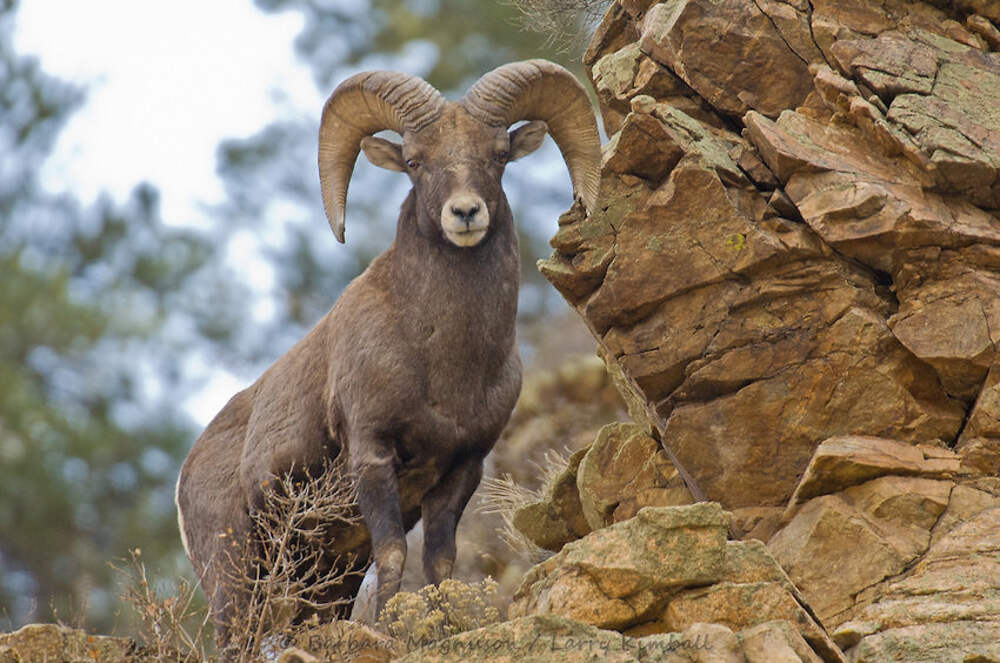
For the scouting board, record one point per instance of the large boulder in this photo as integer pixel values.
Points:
(893, 547)
(946, 608)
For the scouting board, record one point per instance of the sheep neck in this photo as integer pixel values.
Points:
(461, 303)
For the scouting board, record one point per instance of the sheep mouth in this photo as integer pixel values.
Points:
(468, 237)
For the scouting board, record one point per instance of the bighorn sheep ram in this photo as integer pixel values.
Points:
(414, 372)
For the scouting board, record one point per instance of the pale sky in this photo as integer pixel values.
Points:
(166, 81)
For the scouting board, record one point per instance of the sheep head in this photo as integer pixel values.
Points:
(455, 152)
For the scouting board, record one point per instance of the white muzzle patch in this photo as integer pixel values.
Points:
(465, 219)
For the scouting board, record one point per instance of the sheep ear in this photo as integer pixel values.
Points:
(526, 139)
(384, 153)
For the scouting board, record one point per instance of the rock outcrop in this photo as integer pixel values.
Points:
(666, 570)
(896, 548)
(423, 628)
(794, 276)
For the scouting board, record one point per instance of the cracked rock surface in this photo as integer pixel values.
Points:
(793, 271)
(669, 570)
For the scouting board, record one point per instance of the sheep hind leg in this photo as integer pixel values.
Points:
(378, 501)
(441, 510)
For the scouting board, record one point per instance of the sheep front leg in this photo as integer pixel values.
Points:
(441, 509)
(378, 501)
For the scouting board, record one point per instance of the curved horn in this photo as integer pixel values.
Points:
(542, 90)
(365, 104)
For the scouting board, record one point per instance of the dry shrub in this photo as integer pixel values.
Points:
(434, 613)
(282, 573)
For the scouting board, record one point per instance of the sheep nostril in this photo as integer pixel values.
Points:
(465, 214)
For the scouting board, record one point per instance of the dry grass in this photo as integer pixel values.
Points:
(503, 496)
(566, 24)
(175, 627)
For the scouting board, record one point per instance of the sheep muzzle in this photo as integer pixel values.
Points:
(465, 219)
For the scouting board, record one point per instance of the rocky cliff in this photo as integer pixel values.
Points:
(795, 274)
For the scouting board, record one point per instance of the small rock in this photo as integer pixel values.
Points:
(833, 88)
(660, 152)
(623, 471)
(979, 443)
(699, 643)
(643, 104)
(983, 27)
(558, 517)
(296, 655)
(346, 641)
(776, 642)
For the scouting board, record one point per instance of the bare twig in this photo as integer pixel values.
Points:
(282, 574)
(285, 572)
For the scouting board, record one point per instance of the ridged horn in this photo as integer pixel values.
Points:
(542, 90)
(363, 105)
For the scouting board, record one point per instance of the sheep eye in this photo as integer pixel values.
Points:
(502, 156)
(412, 164)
